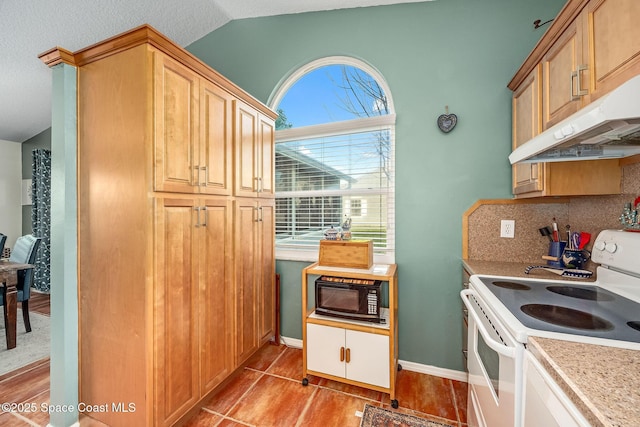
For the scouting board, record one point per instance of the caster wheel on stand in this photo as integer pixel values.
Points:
(394, 403)
(399, 367)
(305, 382)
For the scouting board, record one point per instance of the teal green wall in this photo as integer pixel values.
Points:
(41, 140)
(460, 53)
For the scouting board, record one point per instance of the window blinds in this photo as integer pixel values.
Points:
(327, 175)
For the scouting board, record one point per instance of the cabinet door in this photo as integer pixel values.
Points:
(176, 126)
(246, 280)
(326, 350)
(368, 360)
(612, 43)
(558, 83)
(175, 309)
(246, 143)
(266, 156)
(527, 177)
(215, 148)
(545, 404)
(266, 240)
(215, 293)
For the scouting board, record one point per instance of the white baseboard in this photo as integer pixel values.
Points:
(291, 342)
(434, 370)
(409, 366)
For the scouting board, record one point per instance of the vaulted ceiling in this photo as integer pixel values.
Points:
(28, 28)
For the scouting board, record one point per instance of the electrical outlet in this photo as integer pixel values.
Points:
(508, 228)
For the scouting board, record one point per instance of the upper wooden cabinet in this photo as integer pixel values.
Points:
(611, 36)
(527, 177)
(216, 137)
(193, 148)
(254, 151)
(591, 47)
(596, 52)
(562, 72)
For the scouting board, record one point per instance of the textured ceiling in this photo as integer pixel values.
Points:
(28, 28)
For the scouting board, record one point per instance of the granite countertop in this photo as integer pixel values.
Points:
(603, 382)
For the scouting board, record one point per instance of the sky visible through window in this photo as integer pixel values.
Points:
(319, 97)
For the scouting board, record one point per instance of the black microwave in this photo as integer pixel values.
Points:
(357, 299)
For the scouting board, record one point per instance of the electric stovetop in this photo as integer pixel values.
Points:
(568, 307)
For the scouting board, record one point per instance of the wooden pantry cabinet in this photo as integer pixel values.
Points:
(255, 274)
(165, 314)
(592, 47)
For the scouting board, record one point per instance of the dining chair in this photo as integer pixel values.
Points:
(24, 251)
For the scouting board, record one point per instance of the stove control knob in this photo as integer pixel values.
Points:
(611, 247)
(600, 245)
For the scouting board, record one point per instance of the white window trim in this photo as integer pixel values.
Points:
(307, 254)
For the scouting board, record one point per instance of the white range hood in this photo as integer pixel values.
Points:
(606, 128)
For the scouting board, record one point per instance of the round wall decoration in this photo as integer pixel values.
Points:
(446, 122)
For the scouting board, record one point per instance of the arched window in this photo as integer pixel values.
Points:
(334, 158)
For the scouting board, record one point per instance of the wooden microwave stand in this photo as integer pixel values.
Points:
(352, 351)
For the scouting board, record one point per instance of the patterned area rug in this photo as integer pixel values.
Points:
(374, 416)
(30, 346)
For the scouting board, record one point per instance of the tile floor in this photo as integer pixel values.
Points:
(268, 392)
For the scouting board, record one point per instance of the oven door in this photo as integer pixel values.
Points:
(495, 361)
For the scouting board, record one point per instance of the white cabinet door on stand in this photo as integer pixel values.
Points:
(325, 349)
(354, 355)
(365, 365)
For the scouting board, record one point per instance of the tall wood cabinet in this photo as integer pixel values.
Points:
(165, 313)
(255, 274)
(591, 47)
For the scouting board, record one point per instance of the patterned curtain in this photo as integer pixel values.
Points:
(41, 216)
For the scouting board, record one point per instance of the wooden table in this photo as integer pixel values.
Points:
(8, 282)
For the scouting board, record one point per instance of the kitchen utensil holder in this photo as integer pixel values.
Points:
(556, 249)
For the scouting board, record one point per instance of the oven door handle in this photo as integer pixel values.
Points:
(495, 345)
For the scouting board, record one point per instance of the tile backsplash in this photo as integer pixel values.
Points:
(585, 213)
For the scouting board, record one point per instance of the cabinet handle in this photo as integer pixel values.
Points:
(261, 214)
(197, 209)
(259, 184)
(206, 216)
(206, 176)
(348, 355)
(257, 181)
(257, 211)
(342, 354)
(577, 75)
(581, 92)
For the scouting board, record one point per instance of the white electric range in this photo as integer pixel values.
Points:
(505, 311)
